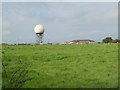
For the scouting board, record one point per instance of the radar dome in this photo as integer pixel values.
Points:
(39, 29)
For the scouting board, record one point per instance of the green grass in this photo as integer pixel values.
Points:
(65, 66)
(0, 66)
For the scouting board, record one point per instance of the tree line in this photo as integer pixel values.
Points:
(110, 40)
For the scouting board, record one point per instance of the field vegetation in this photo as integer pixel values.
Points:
(60, 66)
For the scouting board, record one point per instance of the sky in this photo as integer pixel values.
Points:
(62, 21)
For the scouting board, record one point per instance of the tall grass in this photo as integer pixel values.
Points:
(56, 66)
(16, 77)
(0, 66)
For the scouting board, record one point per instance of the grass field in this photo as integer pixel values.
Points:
(62, 66)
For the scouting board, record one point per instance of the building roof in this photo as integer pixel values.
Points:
(82, 40)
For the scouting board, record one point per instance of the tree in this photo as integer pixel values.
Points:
(108, 40)
(116, 41)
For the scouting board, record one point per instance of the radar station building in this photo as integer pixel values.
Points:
(87, 41)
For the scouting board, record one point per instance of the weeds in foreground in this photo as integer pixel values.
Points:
(16, 78)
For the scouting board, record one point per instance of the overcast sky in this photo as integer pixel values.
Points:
(62, 21)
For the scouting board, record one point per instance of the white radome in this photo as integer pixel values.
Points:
(39, 29)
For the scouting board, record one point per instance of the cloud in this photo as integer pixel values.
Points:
(60, 0)
(6, 25)
(108, 16)
(5, 33)
(62, 21)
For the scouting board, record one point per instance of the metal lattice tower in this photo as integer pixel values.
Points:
(39, 31)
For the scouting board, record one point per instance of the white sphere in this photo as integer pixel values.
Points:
(39, 29)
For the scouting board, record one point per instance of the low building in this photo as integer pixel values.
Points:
(86, 41)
